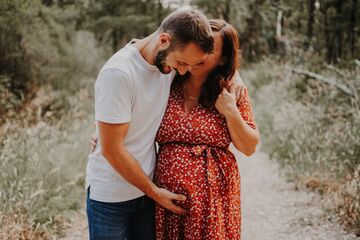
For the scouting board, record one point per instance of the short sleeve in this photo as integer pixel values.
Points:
(113, 96)
(245, 108)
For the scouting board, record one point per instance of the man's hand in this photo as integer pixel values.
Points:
(165, 198)
(112, 138)
(238, 83)
(93, 143)
(237, 89)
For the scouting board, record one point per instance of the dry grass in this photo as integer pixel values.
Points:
(44, 145)
(43, 167)
(312, 129)
(46, 120)
(347, 202)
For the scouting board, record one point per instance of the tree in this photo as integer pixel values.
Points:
(116, 22)
(311, 21)
(217, 8)
(353, 27)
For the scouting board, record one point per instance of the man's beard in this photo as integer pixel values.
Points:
(160, 61)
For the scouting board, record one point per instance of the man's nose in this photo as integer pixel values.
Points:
(182, 70)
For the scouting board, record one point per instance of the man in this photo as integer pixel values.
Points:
(131, 94)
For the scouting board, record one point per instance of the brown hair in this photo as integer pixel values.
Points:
(188, 26)
(222, 74)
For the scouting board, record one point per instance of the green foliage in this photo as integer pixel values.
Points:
(41, 46)
(326, 28)
(13, 61)
(115, 23)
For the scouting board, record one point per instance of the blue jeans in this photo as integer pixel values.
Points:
(131, 220)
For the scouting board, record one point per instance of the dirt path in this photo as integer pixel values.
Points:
(272, 209)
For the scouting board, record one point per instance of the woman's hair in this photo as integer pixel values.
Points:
(222, 74)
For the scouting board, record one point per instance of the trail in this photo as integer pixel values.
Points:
(271, 208)
(274, 210)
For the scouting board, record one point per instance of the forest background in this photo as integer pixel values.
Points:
(301, 63)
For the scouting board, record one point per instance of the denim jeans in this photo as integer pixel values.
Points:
(130, 220)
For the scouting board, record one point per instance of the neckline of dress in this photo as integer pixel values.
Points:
(180, 91)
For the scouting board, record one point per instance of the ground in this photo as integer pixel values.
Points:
(271, 207)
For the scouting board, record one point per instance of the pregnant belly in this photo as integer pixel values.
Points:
(179, 171)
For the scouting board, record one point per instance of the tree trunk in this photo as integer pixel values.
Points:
(310, 22)
(352, 32)
(226, 13)
(328, 44)
(279, 24)
(338, 34)
(298, 20)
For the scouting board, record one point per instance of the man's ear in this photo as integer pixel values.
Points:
(164, 41)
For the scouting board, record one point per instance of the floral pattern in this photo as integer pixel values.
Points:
(194, 160)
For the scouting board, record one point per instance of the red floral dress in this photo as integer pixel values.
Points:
(194, 160)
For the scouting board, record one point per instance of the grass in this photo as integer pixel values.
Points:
(45, 131)
(312, 129)
(43, 169)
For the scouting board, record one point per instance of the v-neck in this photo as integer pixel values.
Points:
(182, 102)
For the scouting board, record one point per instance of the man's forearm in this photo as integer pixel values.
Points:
(126, 165)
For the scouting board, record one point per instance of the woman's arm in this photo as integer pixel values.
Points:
(244, 134)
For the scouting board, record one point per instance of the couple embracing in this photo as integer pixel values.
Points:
(178, 87)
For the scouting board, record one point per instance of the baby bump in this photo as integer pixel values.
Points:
(179, 171)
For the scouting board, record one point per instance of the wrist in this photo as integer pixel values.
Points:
(152, 191)
(231, 112)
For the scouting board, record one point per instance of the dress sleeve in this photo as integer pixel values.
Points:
(245, 108)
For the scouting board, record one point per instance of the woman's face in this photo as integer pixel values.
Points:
(212, 60)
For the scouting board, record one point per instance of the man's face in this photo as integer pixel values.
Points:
(213, 60)
(180, 59)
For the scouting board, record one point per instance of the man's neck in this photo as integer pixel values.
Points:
(148, 47)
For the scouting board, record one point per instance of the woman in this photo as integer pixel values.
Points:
(201, 120)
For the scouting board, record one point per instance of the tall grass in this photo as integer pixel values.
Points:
(312, 129)
(42, 173)
(44, 130)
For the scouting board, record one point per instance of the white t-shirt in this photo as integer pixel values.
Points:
(128, 89)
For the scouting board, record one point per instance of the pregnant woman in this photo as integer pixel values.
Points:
(201, 120)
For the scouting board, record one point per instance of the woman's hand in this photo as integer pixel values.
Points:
(93, 143)
(226, 101)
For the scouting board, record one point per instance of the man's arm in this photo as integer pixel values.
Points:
(112, 138)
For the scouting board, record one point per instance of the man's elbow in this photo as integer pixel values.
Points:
(109, 152)
(106, 153)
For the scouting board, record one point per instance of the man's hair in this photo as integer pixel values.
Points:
(188, 26)
(221, 76)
